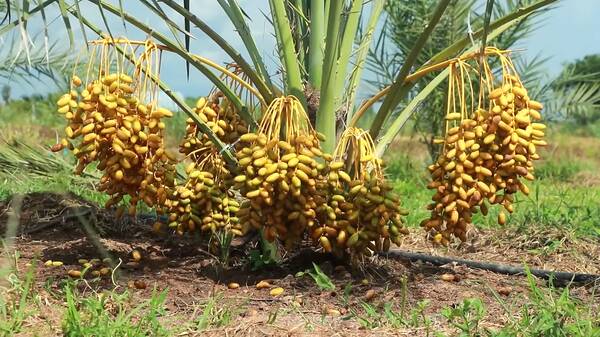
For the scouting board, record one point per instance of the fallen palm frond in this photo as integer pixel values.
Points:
(18, 158)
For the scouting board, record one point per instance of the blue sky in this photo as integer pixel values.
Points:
(568, 32)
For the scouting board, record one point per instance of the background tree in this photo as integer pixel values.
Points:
(588, 66)
(576, 91)
(6, 93)
(404, 23)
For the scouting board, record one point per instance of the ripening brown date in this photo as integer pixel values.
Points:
(485, 160)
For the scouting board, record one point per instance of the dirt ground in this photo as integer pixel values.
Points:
(51, 230)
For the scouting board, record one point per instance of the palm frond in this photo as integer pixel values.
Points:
(401, 29)
(287, 49)
(157, 9)
(570, 77)
(5, 12)
(262, 83)
(25, 159)
(580, 103)
(489, 7)
(364, 40)
(533, 73)
(524, 27)
(238, 18)
(382, 65)
(399, 89)
(42, 62)
(22, 164)
(186, 5)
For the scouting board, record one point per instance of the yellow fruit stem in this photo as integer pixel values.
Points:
(456, 91)
(358, 143)
(151, 46)
(233, 76)
(147, 61)
(290, 110)
(419, 74)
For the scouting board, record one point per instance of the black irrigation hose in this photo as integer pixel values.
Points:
(560, 276)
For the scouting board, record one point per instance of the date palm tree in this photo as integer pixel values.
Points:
(322, 45)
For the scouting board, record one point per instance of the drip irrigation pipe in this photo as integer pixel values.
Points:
(560, 276)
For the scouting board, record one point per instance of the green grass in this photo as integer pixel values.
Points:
(32, 119)
(59, 182)
(406, 169)
(322, 281)
(112, 314)
(573, 128)
(552, 312)
(88, 312)
(215, 313)
(373, 317)
(39, 110)
(548, 312)
(15, 310)
(552, 203)
(562, 171)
